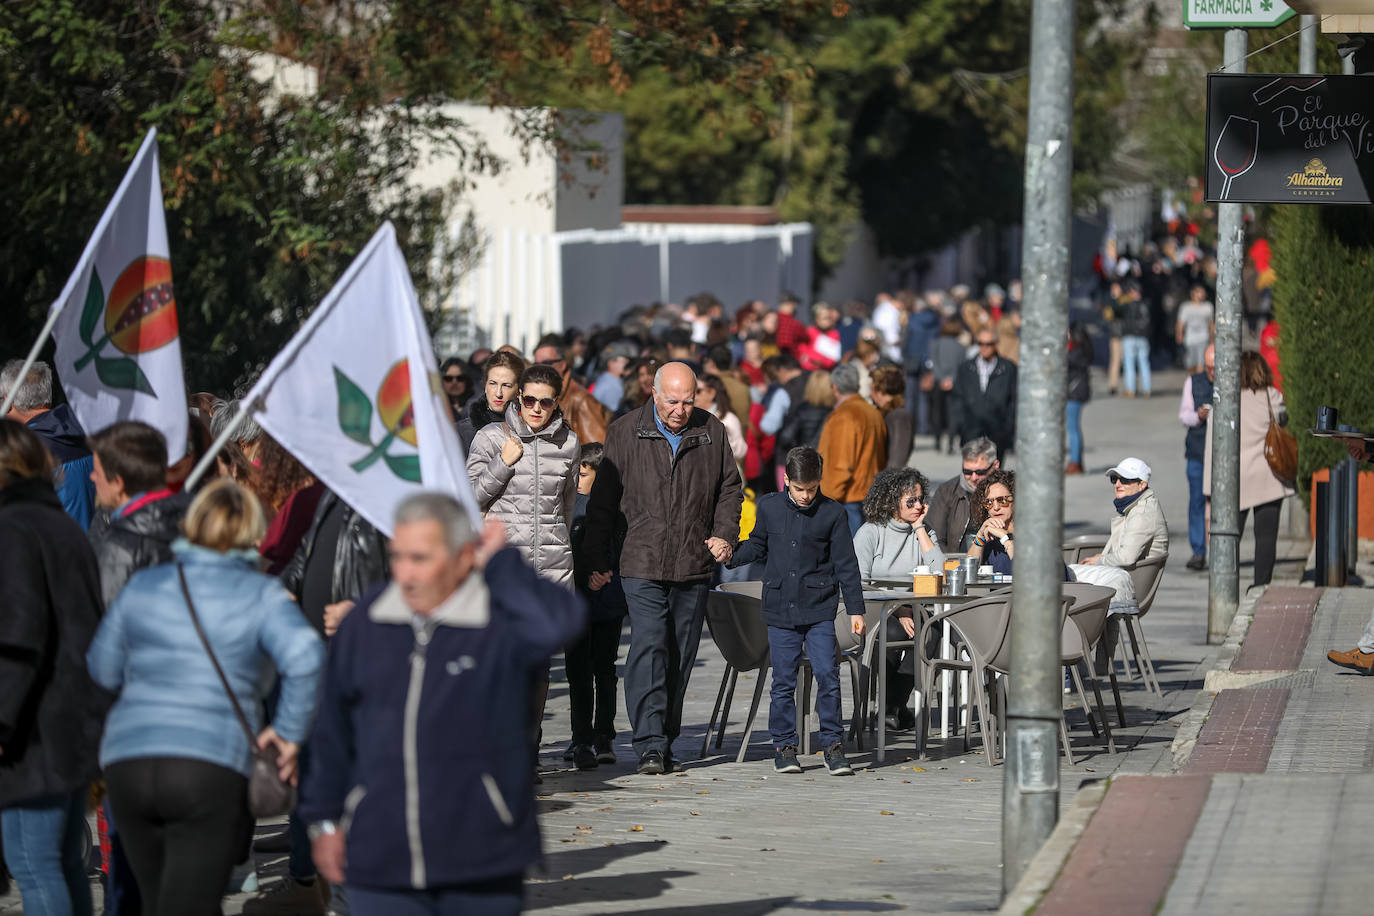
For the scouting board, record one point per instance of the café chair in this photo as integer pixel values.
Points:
(734, 615)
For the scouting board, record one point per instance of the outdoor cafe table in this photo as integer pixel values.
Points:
(893, 598)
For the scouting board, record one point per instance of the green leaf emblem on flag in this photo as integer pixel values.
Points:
(394, 410)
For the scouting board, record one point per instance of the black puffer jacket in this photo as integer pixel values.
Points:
(360, 557)
(50, 709)
(137, 540)
(802, 427)
(1080, 363)
(479, 414)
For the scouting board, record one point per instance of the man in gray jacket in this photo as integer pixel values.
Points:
(669, 477)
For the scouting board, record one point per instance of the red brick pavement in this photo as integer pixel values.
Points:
(1125, 860)
(1276, 639)
(1239, 733)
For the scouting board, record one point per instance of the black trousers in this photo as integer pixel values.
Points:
(1266, 538)
(590, 666)
(183, 822)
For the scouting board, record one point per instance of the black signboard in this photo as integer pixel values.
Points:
(1290, 139)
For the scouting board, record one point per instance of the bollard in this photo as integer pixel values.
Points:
(1335, 530)
(1321, 496)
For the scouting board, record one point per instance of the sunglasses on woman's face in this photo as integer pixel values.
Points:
(530, 400)
(997, 501)
(911, 502)
(452, 378)
(1117, 478)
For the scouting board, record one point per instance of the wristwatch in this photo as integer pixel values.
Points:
(321, 828)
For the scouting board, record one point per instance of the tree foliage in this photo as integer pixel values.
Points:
(1323, 258)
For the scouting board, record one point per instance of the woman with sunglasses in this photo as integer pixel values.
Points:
(524, 472)
(994, 504)
(1138, 533)
(892, 542)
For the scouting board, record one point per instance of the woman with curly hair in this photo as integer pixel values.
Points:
(993, 508)
(890, 544)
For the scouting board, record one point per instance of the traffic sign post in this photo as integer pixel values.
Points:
(1235, 14)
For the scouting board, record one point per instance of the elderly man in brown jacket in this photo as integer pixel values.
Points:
(669, 482)
(853, 445)
(582, 412)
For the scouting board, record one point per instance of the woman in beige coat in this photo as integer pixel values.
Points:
(1259, 488)
(524, 472)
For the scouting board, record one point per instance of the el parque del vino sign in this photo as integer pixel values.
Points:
(1290, 139)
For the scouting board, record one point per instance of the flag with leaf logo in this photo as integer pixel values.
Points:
(118, 351)
(355, 395)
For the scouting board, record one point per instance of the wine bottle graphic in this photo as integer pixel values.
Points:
(1236, 150)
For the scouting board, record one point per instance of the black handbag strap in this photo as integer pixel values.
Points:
(204, 641)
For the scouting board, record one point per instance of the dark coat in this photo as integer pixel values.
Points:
(949, 513)
(137, 540)
(900, 436)
(478, 415)
(810, 560)
(50, 709)
(668, 506)
(990, 413)
(1080, 360)
(461, 686)
(360, 557)
(66, 441)
(607, 602)
(802, 427)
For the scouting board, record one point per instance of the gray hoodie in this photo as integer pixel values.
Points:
(893, 550)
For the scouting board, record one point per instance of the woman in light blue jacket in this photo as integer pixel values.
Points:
(175, 756)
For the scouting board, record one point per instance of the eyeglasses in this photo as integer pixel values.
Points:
(530, 400)
(987, 343)
(452, 378)
(1117, 478)
(977, 472)
(997, 501)
(911, 502)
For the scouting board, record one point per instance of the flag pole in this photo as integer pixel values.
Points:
(149, 142)
(254, 399)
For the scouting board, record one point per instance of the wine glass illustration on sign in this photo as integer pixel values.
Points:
(1236, 150)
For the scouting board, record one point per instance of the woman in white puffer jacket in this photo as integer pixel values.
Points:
(524, 473)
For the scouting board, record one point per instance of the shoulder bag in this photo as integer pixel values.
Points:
(268, 795)
(1280, 449)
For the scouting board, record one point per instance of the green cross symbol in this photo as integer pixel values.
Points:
(1266, 5)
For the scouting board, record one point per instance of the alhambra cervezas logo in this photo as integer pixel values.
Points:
(396, 413)
(1314, 175)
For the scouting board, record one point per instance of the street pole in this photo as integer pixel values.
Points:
(1223, 556)
(1307, 44)
(1030, 782)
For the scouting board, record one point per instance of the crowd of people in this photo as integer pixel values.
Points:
(621, 474)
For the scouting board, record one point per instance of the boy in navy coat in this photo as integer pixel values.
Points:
(804, 539)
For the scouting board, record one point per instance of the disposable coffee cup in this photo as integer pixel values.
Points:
(923, 570)
(985, 571)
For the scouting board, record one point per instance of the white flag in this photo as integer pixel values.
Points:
(356, 397)
(118, 353)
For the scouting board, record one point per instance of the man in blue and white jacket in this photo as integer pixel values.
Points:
(419, 794)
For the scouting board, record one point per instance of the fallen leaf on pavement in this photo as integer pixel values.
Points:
(888, 813)
(637, 828)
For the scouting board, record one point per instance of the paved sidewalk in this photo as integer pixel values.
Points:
(1268, 812)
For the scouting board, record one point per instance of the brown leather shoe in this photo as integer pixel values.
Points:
(1074, 468)
(1355, 660)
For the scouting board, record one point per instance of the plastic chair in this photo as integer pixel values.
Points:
(1076, 549)
(983, 626)
(1146, 576)
(1087, 620)
(735, 619)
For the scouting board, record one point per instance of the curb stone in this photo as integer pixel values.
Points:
(1040, 875)
(1218, 679)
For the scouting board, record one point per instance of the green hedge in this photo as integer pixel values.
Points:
(1324, 303)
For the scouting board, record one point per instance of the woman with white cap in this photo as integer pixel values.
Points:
(1138, 533)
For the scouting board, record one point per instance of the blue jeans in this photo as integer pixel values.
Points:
(497, 897)
(785, 646)
(1073, 419)
(665, 628)
(44, 842)
(855, 512)
(1197, 509)
(1135, 355)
